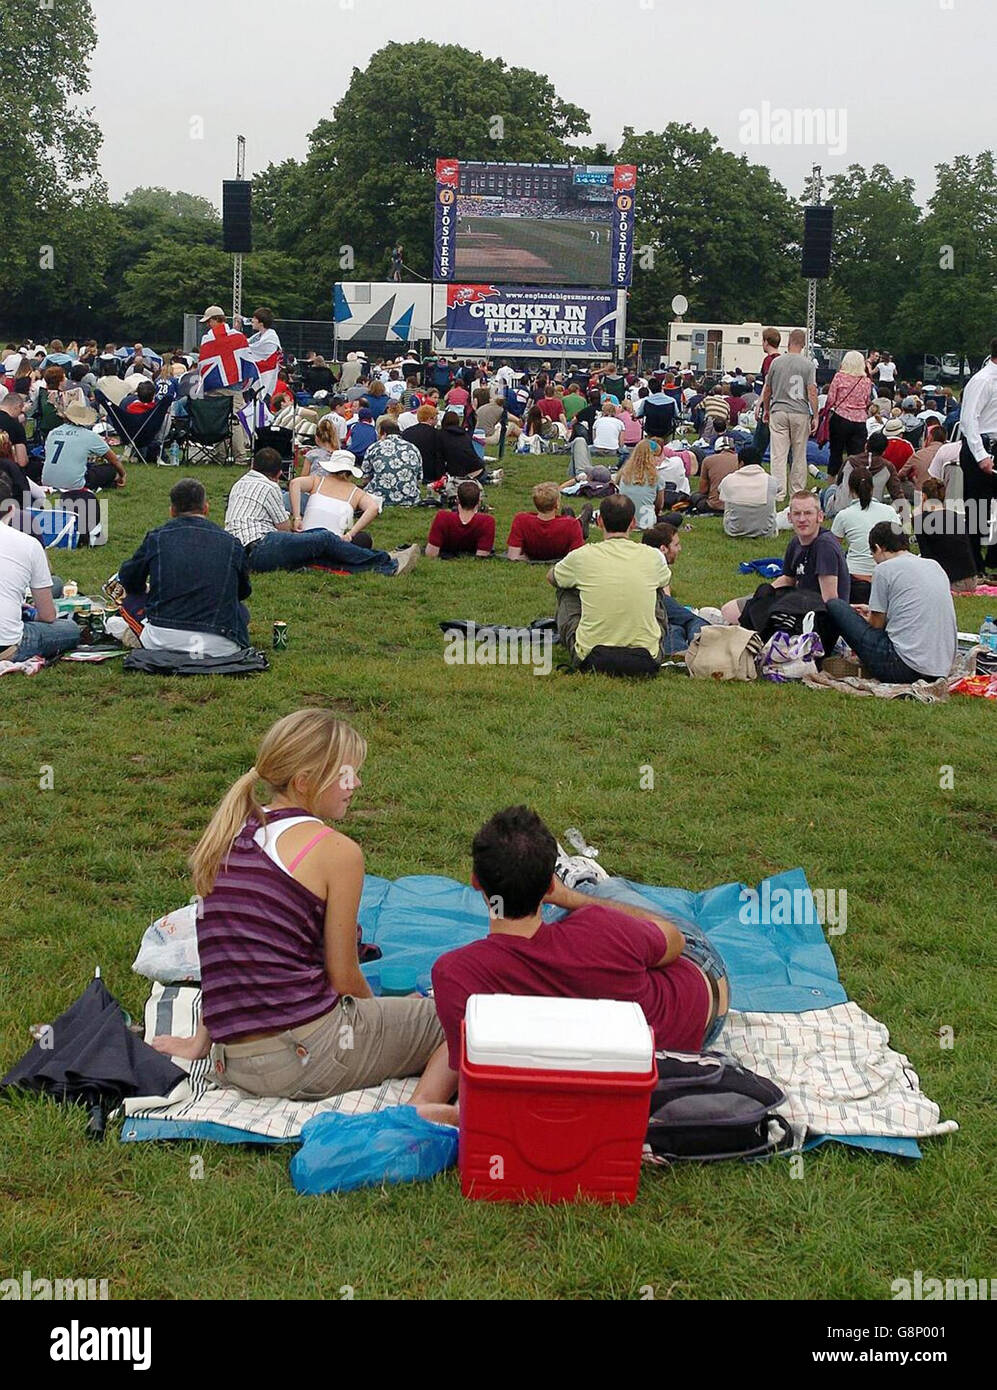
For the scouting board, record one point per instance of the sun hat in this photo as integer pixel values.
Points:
(339, 461)
(893, 428)
(81, 414)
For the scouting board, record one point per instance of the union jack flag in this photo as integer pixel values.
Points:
(224, 360)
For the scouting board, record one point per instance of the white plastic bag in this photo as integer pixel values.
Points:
(168, 952)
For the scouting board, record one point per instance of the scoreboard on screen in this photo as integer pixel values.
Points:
(534, 224)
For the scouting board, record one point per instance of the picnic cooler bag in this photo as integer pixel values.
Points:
(723, 653)
(553, 1098)
(707, 1107)
(59, 527)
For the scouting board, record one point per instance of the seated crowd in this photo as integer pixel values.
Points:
(381, 436)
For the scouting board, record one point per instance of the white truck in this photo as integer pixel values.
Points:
(718, 347)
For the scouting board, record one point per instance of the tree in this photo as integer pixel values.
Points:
(164, 284)
(367, 182)
(951, 306)
(876, 247)
(713, 227)
(50, 223)
(185, 206)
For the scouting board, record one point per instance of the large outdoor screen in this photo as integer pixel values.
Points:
(541, 224)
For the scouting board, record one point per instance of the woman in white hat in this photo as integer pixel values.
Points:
(334, 499)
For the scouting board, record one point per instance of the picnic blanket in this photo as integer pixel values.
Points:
(790, 1019)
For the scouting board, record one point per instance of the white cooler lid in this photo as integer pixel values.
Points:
(523, 1031)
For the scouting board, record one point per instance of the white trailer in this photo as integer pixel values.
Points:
(719, 347)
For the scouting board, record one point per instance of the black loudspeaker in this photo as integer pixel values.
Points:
(818, 234)
(237, 232)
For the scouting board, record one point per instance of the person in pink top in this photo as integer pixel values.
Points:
(848, 399)
(287, 1010)
(633, 430)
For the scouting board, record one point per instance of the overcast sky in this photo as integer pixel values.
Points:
(905, 82)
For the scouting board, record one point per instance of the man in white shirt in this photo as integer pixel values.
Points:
(748, 495)
(886, 375)
(979, 437)
(24, 565)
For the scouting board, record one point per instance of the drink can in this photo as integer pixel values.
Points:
(96, 624)
(280, 636)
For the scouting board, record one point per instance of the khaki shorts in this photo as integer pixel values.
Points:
(361, 1042)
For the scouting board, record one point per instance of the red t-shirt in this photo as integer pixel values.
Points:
(898, 451)
(553, 408)
(545, 540)
(594, 953)
(449, 532)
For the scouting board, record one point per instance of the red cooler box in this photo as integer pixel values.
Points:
(554, 1098)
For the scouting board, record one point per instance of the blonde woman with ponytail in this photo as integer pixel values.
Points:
(286, 1008)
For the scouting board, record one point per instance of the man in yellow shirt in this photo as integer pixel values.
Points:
(611, 593)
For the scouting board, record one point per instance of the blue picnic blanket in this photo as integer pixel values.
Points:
(784, 967)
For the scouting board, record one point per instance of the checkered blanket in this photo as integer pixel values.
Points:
(175, 1010)
(839, 1073)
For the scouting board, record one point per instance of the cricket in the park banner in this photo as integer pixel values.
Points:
(517, 318)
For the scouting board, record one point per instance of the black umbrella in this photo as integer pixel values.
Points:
(90, 1056)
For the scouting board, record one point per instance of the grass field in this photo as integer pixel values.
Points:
(533, 251)
(750, 780)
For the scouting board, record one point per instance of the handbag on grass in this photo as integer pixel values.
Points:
(724, 653)
(707, 1107)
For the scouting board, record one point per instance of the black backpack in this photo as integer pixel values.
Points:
(783, 610)
(707, 1107)
(620, 661)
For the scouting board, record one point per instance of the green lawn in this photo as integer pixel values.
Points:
(749, 780)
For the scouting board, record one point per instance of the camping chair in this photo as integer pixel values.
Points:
(208, 427)
(143, 434)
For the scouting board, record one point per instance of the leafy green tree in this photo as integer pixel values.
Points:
(367, 182)
(876, 247)
(50, 212)
(184, 206)
(951, 306)
(168, 282)
(710, 226)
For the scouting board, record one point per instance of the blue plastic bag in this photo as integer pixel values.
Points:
(769, 568)
(342, 1152)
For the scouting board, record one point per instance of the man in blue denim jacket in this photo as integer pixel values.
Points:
(197, 576)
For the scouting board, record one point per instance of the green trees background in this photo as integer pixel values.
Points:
(711, 225)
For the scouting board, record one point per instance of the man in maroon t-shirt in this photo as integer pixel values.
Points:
(543, 535)
(551, 405)
(600, 950)
(463, 532)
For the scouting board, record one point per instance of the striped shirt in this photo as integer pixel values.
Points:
(717, 408)
(255, 508)
(261, 939)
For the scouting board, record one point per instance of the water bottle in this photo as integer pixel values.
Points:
(174, 455)
(988, 634)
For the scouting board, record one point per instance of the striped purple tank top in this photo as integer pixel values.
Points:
(261, 941)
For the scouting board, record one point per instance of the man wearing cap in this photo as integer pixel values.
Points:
(69, 449)
(214, 320)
